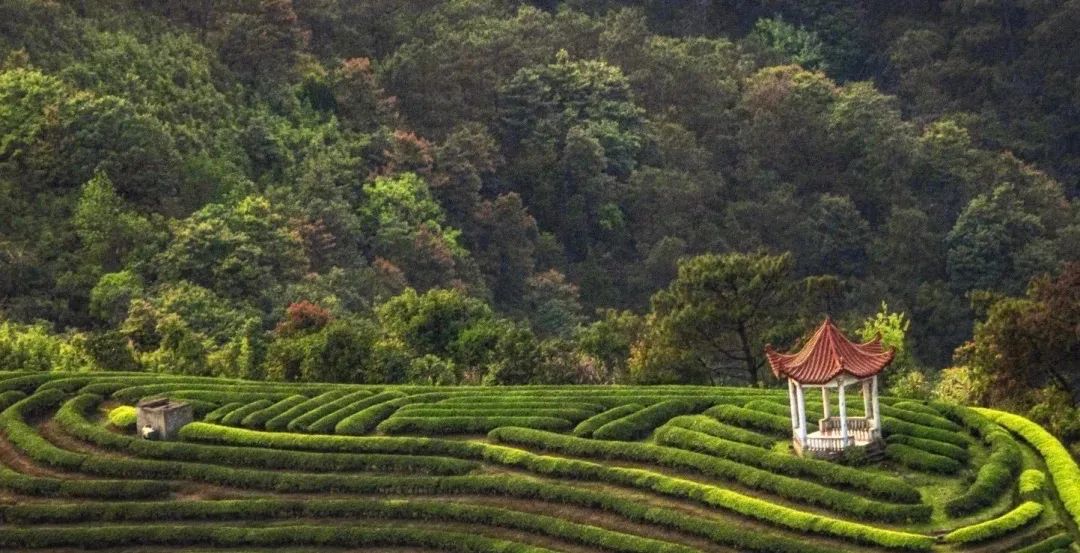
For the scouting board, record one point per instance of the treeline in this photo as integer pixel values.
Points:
(497, 191)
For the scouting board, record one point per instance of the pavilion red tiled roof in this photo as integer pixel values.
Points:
(827, 354)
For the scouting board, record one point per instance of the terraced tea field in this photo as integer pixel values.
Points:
(273, 466)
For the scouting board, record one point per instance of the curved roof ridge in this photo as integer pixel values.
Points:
(827, 354)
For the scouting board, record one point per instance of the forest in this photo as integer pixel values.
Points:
(577, 192)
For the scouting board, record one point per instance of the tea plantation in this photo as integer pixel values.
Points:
(673, 469)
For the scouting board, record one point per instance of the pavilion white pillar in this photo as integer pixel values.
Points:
(843, 414)
(874, 405)
(802, 413)
(793, 405)
(824, 402)
(867, 413)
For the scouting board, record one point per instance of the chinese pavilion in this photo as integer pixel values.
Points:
(830, 361)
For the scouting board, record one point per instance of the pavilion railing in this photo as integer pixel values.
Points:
(858, 429)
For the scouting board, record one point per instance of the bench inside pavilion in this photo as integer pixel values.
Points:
(829, 361)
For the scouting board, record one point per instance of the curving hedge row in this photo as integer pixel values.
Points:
(1058, 542)
(748, 476)
(326, 423)
(891, 426)
(224, 536)
(918, 417)
(1063, 469)
(258, 419)
(440, 426)
(39, 486)
(426, 510)
(364, 421)
(919, 459)
(300, 423)
(874, 485)
(234, 417)
(997, 474)
(1022, 515)
(741, 416)
(709, 495)
(640, 423)
(585, 428)
(123, 417)
(424, 410)
(917, 407)
(280, 421)
(9, 398)
(72, 418)
(712, 427)
(931, 446)
(1032, 482)
(216, 415)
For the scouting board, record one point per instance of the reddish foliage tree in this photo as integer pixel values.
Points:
(302, 316)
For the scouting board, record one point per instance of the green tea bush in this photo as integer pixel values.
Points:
(366, 420)
(123, 417)
(1031, 484)
(233, 418)
(1058, 542)
(281, 421)
(1064, 472)
(26, 439)
(891, 426)
(413, 509)
(326, 423)
(39, 486)
(997, 474)
(931, 446)
(300, 424)
(921, 460)
(438, 426)
(71, 418)
(7, 399)
(423, 410)
(995, 528)
(712, 427)
(874, 485)
(568, 468)
(216, 415)
(916, 407)
(258, 419)
(226, 536)
(741, 416)
(783, 486)
(585, 428)
(921, 418)
(639, 424)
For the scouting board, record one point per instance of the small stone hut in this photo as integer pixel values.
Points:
(162, 418)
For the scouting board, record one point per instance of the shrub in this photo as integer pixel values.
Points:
(326, 423)
(568, 468)
(639, 424)
(426, 411)
(921, 460)
(585, 428)
(891, 426)
(1059, 542)
(921, 418)
(917, 408)
(740, 416)
(300, 424)
(931, 446)
(875, 485)
(217, 414)
(258, 418)
(366, 420)
(1031, 484)
(784, 486)
(7, 399)
(123, 417)
(712, 427)
(280, 421)
(997, 474)
(1064, 472)
(83, 488)
(466, 425)
(233, 418)
(71, 417)
(997, 527)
